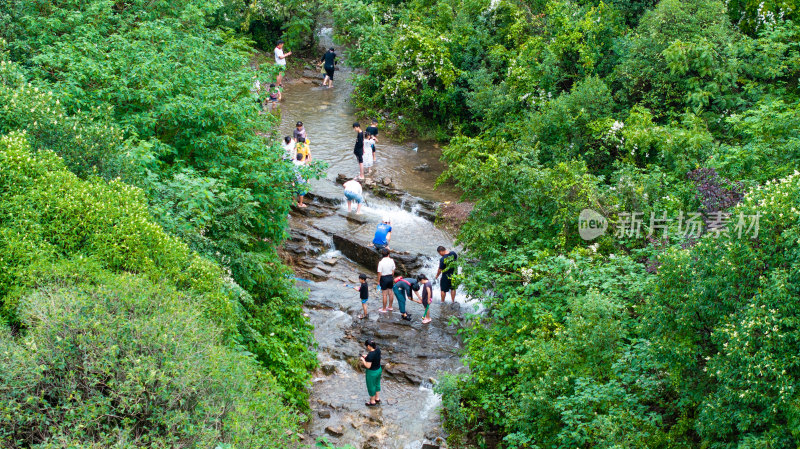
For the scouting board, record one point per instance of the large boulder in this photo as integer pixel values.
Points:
(362, 253)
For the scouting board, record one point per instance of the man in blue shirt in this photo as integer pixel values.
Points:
(383, 235)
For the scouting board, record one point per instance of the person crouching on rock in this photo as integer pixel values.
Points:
(405, 288)
(372, 362)
(383, 235)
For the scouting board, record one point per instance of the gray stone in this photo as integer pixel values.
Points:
(328, 368)
(335, 431)
(422, 167)
(313, 74)
(362, 253)
(372, 443)
(324, 414)
(318, 274)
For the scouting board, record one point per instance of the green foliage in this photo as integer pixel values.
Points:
(119, 360)
(155, 94)
(556, 106)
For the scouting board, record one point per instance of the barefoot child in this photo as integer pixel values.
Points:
(363, 291)
(427, 297)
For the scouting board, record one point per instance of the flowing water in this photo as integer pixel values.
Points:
(414, 355)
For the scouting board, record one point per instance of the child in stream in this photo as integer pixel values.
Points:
(427, 297)
(369, 152)
(363, 290)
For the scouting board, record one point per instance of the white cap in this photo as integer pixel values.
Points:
(386, 219)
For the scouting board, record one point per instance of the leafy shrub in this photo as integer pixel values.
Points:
(119, 360)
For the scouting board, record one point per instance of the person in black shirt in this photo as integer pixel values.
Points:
(447, 269)
(358, 149)
(373, 131)
(363, 290)
(372, 362)
(329, 64)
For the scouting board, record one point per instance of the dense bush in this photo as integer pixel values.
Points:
(117, 360)
(150, 357)
(156, 95)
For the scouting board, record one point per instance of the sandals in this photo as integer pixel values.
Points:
(382, 310)
(370, 404)
(361, 317)
(426, 321)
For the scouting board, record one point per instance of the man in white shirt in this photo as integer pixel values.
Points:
(280, 60)
(352, 191)
(386, 269)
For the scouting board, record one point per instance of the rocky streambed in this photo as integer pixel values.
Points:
(329, 246)
(328, 250)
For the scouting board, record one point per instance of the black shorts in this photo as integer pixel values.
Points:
(425, 302)
(360, 157)
(387, 282)
(329, 72)
(445, 285)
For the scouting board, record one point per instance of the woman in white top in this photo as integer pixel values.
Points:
(386, 269)
(369, 152)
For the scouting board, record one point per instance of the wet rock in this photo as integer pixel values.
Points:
(313, 74)
(324, 268)
(430, 446)
(324, 414)
(328, 368)
(317, 274)
(372, 443)
(387, 182)
(330, 262)
(423, 167)
(312, 235)
(362, 253)
(325, 199)
(336, 431)
(402, 371)
(357, 219)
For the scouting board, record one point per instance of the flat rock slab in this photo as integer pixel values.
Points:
(366, 255)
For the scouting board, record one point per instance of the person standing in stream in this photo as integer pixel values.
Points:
(299, 131)
(427, 297)
(447, 269)
(353, 192)
(372, 362)
(358, 149)
(280, 61)
(386, 269)
(405, 288)
(373, 131)
(329, 64)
